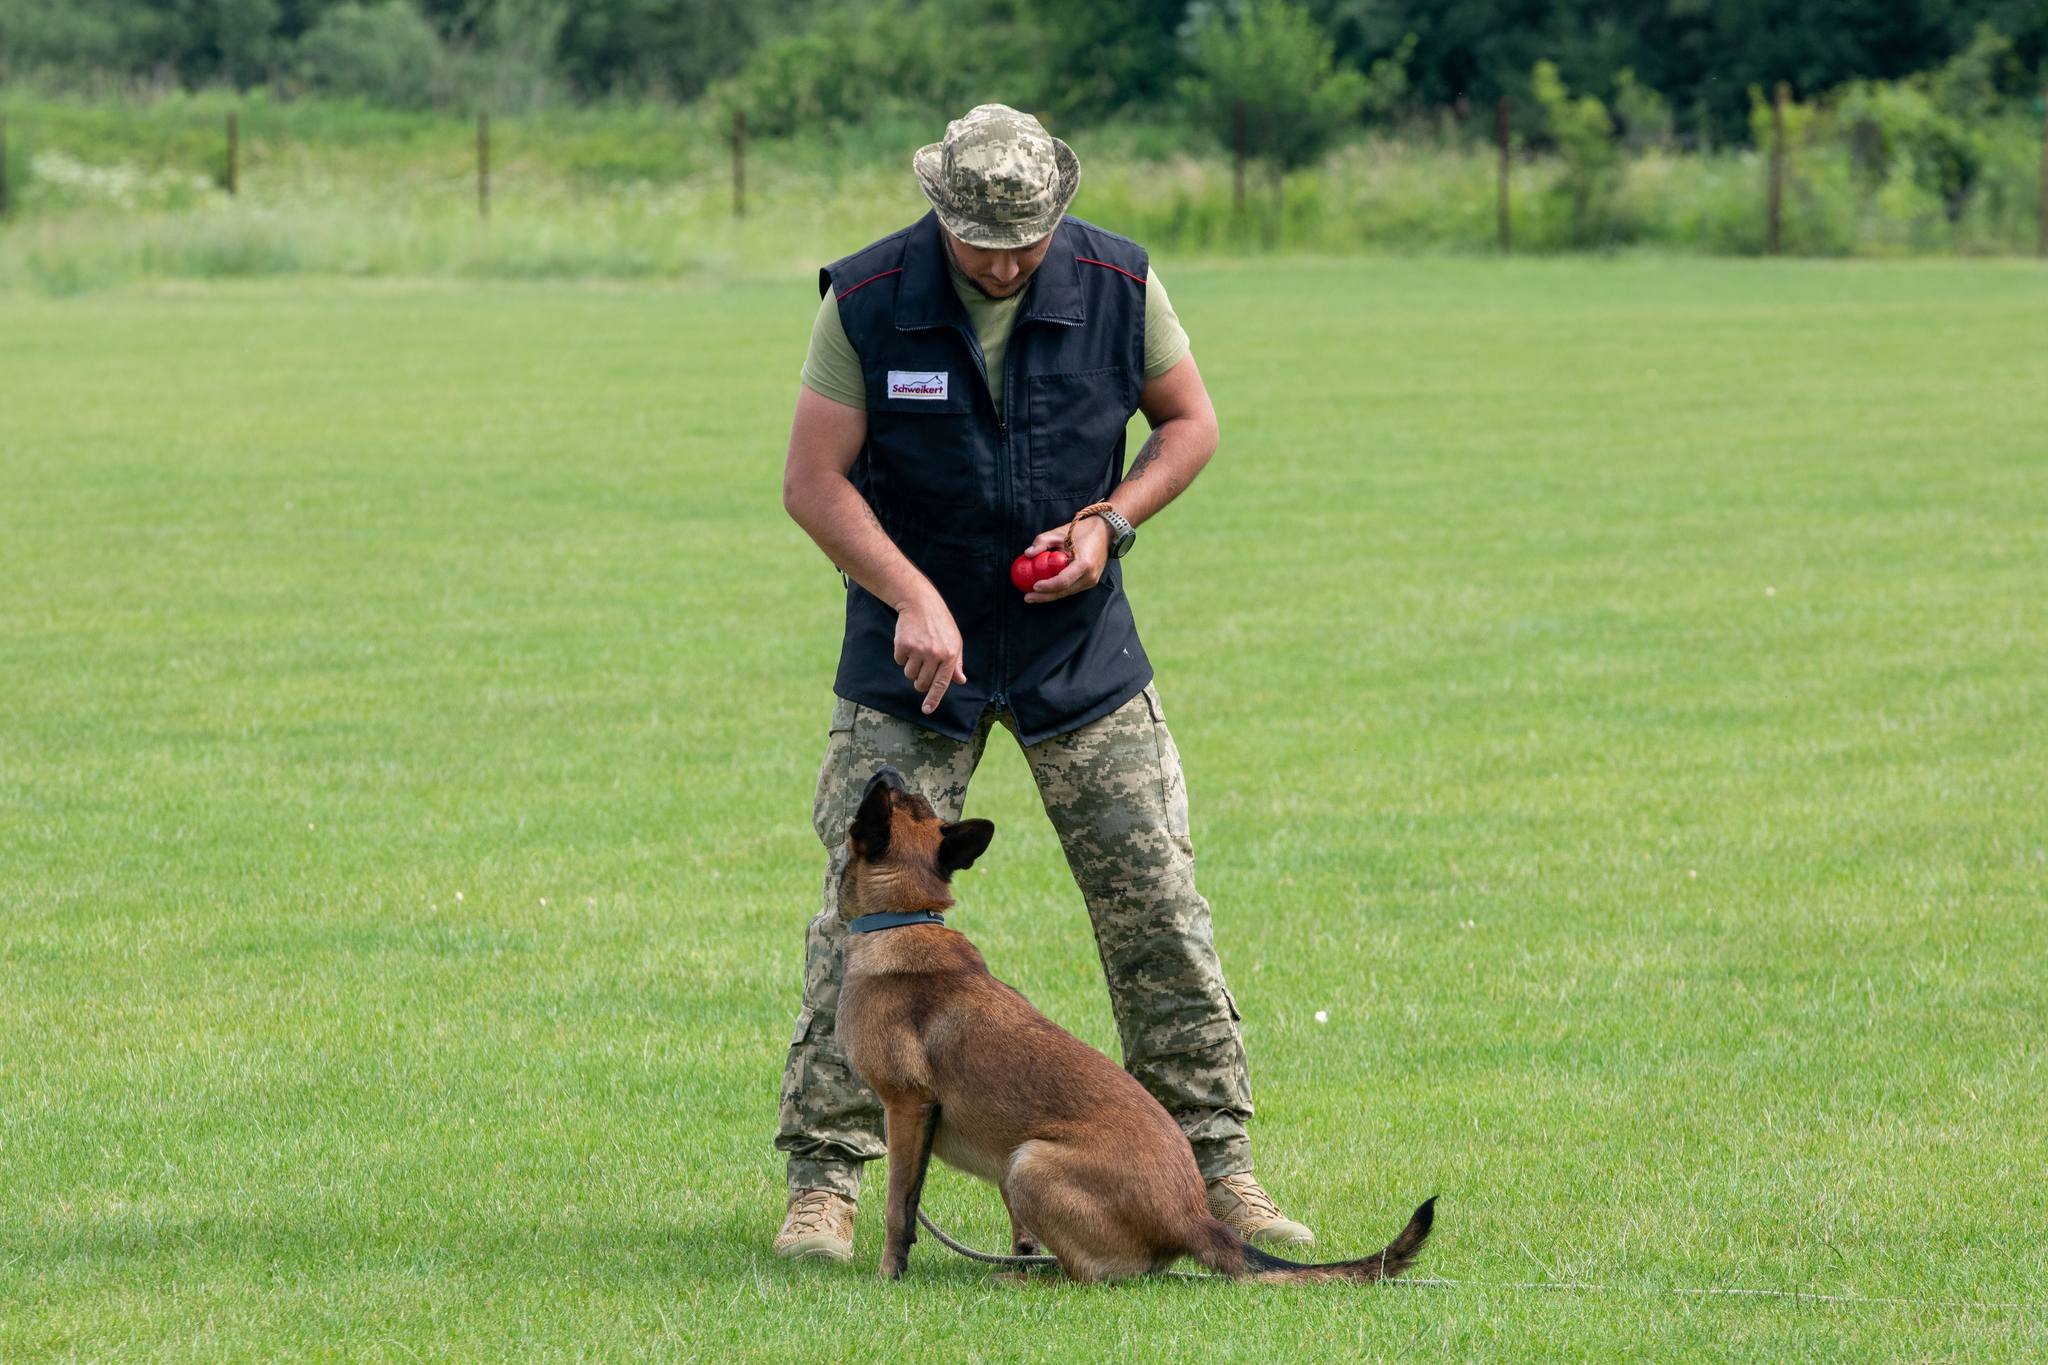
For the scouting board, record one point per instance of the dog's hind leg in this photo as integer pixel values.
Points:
(1072, 1222)
(911, 1124)
(1023, 1242)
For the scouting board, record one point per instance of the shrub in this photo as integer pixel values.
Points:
(1935, 129)
(1271, 58)
(386, 53)
(1387, 87)
(881, 62)
(39, 36)
(1645, 117)
(1584, 135)
(512, 65)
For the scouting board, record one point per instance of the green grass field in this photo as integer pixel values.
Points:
(1614, 692)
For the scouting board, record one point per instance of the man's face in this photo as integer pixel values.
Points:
(995, 272)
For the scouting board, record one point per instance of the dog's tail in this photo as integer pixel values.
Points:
(1226, 1253)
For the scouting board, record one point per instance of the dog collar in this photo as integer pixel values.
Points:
(894, 919)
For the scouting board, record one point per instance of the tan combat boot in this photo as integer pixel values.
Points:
(819, 1226)
(1238, 1201)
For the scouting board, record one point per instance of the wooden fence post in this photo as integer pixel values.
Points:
(1774, 200)
(739, 163)
(1237, 142)
(2040, 246)
(1500, 135)
(483, 163)
(234, 177)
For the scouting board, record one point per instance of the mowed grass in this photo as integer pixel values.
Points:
(1612, 691)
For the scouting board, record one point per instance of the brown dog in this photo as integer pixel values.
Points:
(967, 1069)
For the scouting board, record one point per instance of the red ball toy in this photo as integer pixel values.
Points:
(1027, 571)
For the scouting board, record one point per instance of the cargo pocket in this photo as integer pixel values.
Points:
(1173, 784)
(829, 816)
(789, 1102)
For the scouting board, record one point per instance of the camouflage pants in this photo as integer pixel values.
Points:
(1116, 796)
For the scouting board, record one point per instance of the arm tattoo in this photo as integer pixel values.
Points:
(1147, 453)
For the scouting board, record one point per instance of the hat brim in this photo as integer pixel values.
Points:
(995, 236)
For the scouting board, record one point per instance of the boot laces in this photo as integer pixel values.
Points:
(1247, 1189)
(812, 1211)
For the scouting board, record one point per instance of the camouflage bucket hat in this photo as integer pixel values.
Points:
(999, 180)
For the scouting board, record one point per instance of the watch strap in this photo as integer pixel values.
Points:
(1093, 509)
(1121, 532)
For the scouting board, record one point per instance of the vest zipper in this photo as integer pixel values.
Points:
(1009, 506)
(997, 698)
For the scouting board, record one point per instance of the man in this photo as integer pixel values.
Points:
(965, 396)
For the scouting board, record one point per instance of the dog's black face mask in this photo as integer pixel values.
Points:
(897, 833)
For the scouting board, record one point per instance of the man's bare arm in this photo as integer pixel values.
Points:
(824, 440)
(1184, 436)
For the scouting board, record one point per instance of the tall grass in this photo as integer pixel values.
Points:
(113, 191)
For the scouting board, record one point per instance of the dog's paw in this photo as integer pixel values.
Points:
(1025, 1246)
(893, 1267)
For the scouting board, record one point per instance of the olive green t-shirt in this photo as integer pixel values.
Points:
(832, 368)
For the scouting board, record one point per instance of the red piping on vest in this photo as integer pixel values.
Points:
(1090, 260)
(866, 282)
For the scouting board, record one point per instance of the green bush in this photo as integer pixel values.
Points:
(385, 53)
(1893, 130)
(889, 61)
(1270, 59)
(1936, 129)
(1584, 136)
(1645, 117)
(41, 35)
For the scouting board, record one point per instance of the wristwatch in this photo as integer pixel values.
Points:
(1122, 535)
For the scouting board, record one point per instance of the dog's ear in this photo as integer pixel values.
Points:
(961, 844)
(869, 832)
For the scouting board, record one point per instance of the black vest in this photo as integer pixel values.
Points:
(962, 492)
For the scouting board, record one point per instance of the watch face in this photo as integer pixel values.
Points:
(1123, 541)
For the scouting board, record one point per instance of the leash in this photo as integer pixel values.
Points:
(925, 1220)
(971, 1254)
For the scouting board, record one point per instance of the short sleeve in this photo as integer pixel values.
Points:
(1166, 341)
(831, 367)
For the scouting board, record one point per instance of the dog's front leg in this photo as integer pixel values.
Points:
(911, 1126)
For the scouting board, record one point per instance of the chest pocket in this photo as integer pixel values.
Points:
(923, 447)
(1077, 426)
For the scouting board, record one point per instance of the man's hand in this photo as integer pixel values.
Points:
(1182, 440)
(1091, 557)
(928, 647)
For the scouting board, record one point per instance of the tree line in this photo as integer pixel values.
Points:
(829, 60)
